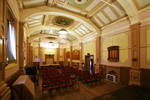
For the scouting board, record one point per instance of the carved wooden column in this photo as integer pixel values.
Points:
(3, 30)
(70, 56)
(81, 56)
(98, 39)
(21, 48)
(3, 38)
(135, 47)
(64, 56)
(58, 55)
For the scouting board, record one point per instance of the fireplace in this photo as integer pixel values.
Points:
(111, 76)
(113, 73)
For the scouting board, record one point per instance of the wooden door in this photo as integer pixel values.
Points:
(87, 63)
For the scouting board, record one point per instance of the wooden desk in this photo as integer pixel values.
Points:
(49, 65)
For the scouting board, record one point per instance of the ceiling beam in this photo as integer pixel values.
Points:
(95, 8)
(40, 36)
(49, 19)
(99, 19)
(83, 10)
(106, 16)
(114, 11)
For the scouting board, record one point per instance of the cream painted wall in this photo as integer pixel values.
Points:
(61, 54)
(36, 55)
(120, 40)
(76, 47)
(148, 45)
(89, 48)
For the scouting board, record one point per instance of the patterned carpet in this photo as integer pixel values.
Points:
(128, 93)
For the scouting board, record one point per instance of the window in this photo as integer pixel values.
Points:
(11, 42)
(11, 38)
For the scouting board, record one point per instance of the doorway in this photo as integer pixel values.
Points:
(89, 61)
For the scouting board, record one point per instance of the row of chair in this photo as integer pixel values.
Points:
(54, 80)
(85, 76)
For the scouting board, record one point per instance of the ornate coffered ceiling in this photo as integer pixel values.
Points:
(100, 12)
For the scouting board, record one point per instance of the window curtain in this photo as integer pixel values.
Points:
(11, 42)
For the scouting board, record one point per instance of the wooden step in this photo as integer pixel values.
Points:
(5, 92)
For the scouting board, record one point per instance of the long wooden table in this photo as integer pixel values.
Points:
(50, 65)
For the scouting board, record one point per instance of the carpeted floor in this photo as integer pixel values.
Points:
(128, 93)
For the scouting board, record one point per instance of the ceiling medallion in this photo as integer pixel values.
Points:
(62, 21)
(80, 2)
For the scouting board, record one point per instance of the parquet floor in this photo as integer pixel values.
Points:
(84, 92)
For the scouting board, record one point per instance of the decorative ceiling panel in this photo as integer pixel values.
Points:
(62, 21)
(103, 18)
(71, 37)
(141, 3)
(98, 9)
(93, 4)
(35, 21)
(79, 3)
(100, 12)
(72, 9)
(117, 5)
(84, 27)
(59, 5)
(82, 30)
(120, 12)
(62, 0)
(110, 13)
(95, 20)
(35, 24)
(35, 33)
(30, 3)
(79, 33)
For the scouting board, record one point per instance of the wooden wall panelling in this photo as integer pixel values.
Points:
(125, 75)
(76, 55)
(113, 53)
(145, 79)
(48, 56)
(68, 54)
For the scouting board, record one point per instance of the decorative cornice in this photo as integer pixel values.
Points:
(14, 7)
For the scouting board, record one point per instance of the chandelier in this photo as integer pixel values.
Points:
(63, 33)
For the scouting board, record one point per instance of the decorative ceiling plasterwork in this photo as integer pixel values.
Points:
(79, 3)
(92, 14)
(62, 21)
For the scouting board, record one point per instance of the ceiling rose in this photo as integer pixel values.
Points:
(80, 2)
(62, 21)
